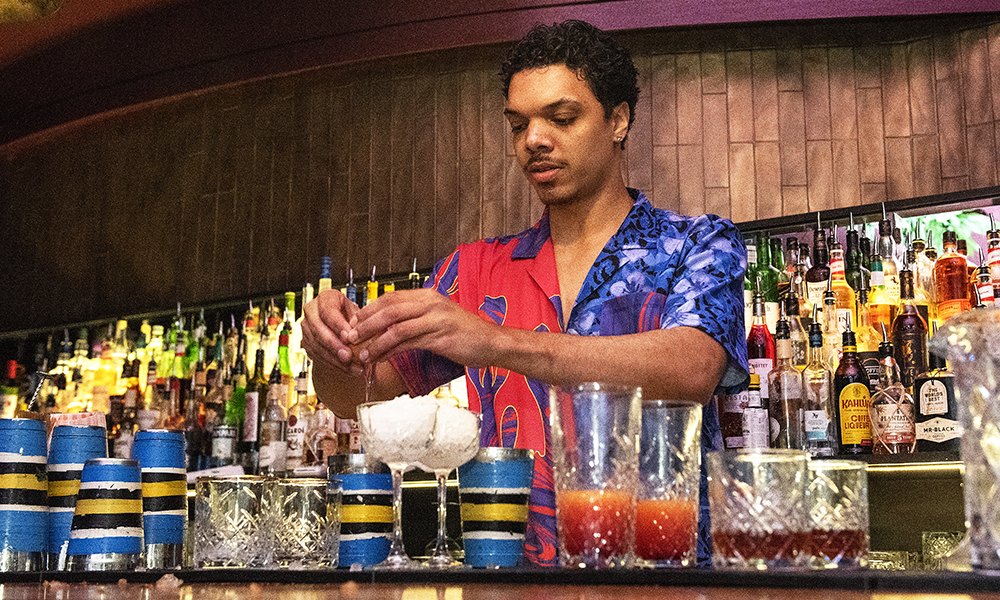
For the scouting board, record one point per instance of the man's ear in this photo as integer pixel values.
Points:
(619, 119)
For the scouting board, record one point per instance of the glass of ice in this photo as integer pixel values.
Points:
(456, 442)
(398, 432)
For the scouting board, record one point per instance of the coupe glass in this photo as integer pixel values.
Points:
(456, 442)
(397, 432)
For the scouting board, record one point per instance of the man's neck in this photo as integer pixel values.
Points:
(586, 222)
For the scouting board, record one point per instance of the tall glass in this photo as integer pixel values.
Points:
(456, 442)
(595, 440)
(398, 432)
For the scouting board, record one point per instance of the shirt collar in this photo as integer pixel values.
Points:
(533, 239)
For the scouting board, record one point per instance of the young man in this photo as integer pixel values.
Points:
(603, 288)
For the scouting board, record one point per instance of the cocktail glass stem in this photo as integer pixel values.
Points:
(442, 557)
(397, 558)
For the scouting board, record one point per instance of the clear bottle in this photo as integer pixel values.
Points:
(891, 412)
(798, 287)
(865, 255)
(778, 266)
(844, 294)
(105, 380)
(756, 428)
(909, 334)
(798, 335)
(196, 435)
(125, 434)
(852, 398)
(993, 256)
(887, 252)
(784, 384)
(867, 337)
(832, 334)
(301, 420)
(274, 428)
(760, 343)
(791, 256)
(819, 437)
(951, 278)
(984, 282)
(937, 427)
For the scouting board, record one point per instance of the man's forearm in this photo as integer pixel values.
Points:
(681, 362)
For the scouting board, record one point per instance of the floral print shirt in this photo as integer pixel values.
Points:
(660, 270)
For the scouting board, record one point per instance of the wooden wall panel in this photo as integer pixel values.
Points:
(240, 191)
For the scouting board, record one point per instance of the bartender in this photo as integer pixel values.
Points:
(604, 287)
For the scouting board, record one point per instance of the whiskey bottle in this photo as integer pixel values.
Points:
(909, 334)
(937, 411)
(819, 273)
(756, 428)
(852, 398)
(819, 434)
(951, 279)
(784, 384)
(892, 410)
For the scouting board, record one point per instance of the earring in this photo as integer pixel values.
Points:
(618, 139)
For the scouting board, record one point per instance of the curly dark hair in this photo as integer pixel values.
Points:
(594, 55)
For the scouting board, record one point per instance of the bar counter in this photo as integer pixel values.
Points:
(500, 584)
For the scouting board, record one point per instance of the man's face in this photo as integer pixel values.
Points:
(563, 142)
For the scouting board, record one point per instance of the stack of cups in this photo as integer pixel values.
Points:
(70, 448)
(107, 519)
(24, 512)
(160, 453)
(366, 509)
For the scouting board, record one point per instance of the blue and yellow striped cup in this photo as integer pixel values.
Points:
(24, 509)
(493, 489)
(106, 533)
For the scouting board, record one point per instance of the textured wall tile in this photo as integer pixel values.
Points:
(742, 182)
(819, 157)
(993, 48)
(666, 187)
(899, 168)
(951, 127)
(982, 156)
(895, 92)
(792, 144)
(640, 138)
(843, 99)
(920, 67)
(663, 95)
(926, 165)
(713, 73)
(868, 66)
(739, 93)
(689, 121)
(846, 180)
(795, 199)
(446, 165)
(871, 135)
(816, 93)
(765, 96)
(789, 68)
(717, 201)
(716, 141)
(976, 77)
(768, 176)
(692, 179)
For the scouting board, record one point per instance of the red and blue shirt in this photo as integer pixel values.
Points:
(660, 270)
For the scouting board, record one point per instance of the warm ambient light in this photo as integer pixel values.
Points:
(928, 467)
(14, 11)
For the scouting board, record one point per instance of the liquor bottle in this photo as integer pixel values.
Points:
(844, 294)
(852, 397)
(909, 334)
(9, 392)
(351, 291)
(819, 273)
(832, 334)
(255, 401)
(778, 266)
(852, 260)
(993, 256)
(804, 257)
(63, 374)
(923, 275)
(881, 306)
(891, 413)
(937, 411)
(784, 384)
(236, 406)
(867, 337)
(920, 298)
(767, 280)
(196, 435)
(798, 287)
(819, 437)
(887, 253)
(122, 446)
(274, 428)
(865, 254)
(325, 276)
(756, 428)
(148, 417)
(173, 417)
(984, 281)
(300, 422)
(104, 382)
(120, 349)
(251, 336)
(951, 279)
(798, 336)
(791, 256)
(760, 343)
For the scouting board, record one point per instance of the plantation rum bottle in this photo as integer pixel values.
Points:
(909, 334)
(936, 409)
(819, 434)
(951, 277)
(892, 410)
(784, 384)
(852, 398)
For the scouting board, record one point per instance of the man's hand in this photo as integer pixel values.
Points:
(325, 331)
(421, 319)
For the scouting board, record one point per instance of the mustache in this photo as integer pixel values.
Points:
(541, 162)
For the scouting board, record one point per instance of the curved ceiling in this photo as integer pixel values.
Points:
(92, 56)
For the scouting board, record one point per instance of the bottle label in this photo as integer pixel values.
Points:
(816, 424)
(950, 308)
(147, 418)
(250, 420)
(814, 292)
(130, 396)
(993, 259)
(771, 314)
(877, 279)
(296, 439)
(762, 366)
(751, 254)
(938, 430)
(356, 447)
(224, 444)
(932, 397)
(123, 444)
(8, 406)
(845, 320)
(985, 292)
(837, 268)
(855, 425)
(893, 423)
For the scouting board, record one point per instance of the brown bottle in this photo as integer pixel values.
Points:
(909, 334)
(852, 399)
(819, 272)
(951, 279)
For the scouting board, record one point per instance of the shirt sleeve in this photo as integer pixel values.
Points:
(422, 370)
(705, 292)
